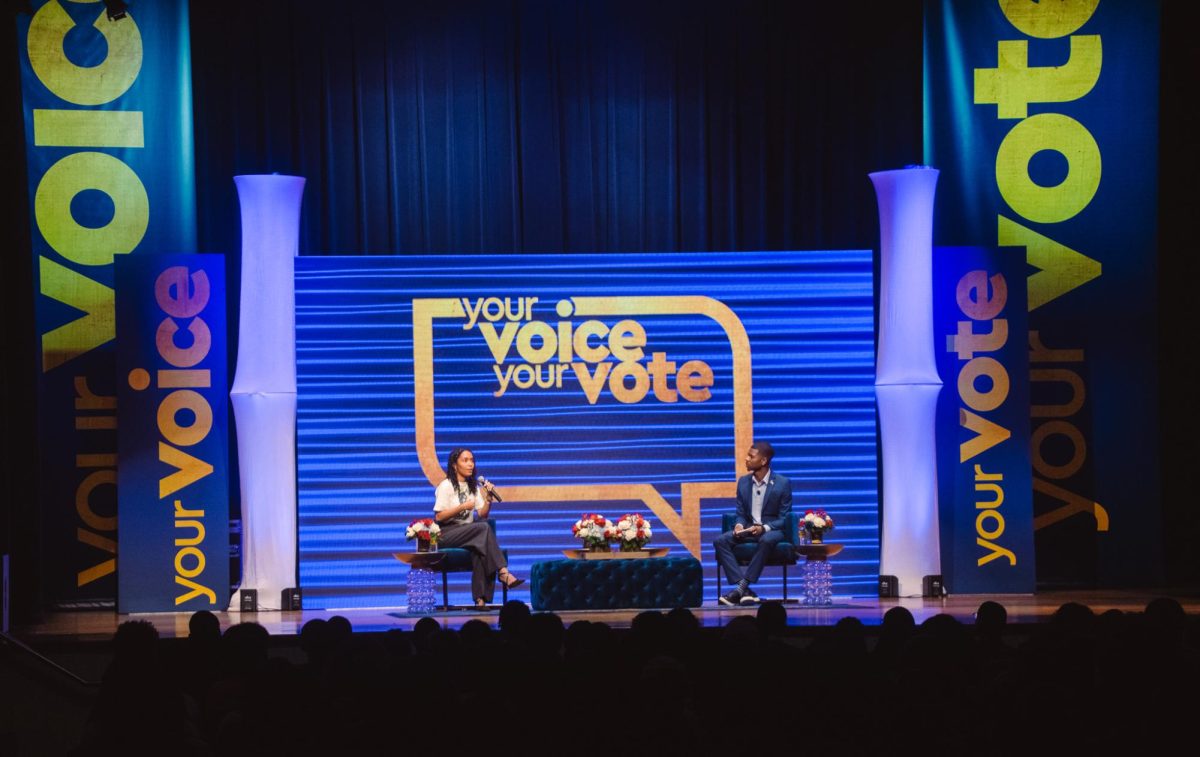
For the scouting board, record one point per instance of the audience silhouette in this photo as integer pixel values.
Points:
(667, 685)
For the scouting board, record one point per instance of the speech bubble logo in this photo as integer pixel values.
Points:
(684, 524)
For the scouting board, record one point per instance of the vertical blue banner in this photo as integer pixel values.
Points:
(984, 482)
(1043, 118)
(173, 437)
(108, 144)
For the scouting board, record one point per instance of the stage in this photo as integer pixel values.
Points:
(62, 628)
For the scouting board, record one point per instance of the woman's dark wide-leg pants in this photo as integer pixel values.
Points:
(486, 557)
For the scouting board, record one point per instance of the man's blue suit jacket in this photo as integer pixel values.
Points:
(776, 505)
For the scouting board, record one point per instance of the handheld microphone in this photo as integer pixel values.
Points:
(490, 487)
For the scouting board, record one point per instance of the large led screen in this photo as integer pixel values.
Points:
(583, 383)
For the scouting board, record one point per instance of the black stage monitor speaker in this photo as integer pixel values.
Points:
(290, 599)
(889, 586)
(249, 600)
(932, 586)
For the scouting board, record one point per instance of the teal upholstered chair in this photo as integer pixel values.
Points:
(783, 555)
(458, 560)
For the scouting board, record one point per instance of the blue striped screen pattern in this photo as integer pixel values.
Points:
(809, 320)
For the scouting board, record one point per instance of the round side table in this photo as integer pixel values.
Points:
(818, 578)
(419, 591)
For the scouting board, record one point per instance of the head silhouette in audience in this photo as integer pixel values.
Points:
(204, 626)
(772, 619)
(514, 618)
(990, 619)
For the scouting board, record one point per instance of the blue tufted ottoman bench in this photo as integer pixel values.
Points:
(616, 584)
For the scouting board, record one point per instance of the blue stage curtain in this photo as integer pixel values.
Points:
(552, 125)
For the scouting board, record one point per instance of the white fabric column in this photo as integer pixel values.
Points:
(264, 387)
(906, 377)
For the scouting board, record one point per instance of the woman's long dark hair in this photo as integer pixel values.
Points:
(452, 474)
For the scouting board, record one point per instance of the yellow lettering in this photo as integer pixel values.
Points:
(1048, 19)
(616, 381)
(188, 470)
(96, 540)
(1078, 449)
(592, 383)
(981, 476)
(1012, 85)
(1061, 375)
(995, 489)
(196, 591)
(198, 538)
(95, 422)
(565, 355)
(199, 378)
(1061, 268)
(168, 424)
(83, 499)
(993, 515)
(1040, 353)
(987, 434)
(995, 550)
(966, 342)
(472, 313)
(96, 572)
(586, 330)
(1072, 505)
(693, 381)
(189, 552)
(660, 368)
(501, 343)
(86, 400)
(973, 298)
(626, 340)
(503, 378)
(87, 128)
(1064, 135)
(175, 297)
(995, 395)
(96, 327)
(525, 348)
(83, 85)
(183, 357)
(81, 244)
(180, 512)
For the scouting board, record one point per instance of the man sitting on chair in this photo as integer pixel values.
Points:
(764, 500)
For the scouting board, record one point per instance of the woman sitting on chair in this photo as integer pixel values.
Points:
(460, 499)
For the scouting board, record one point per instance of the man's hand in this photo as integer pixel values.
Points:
(744, 532)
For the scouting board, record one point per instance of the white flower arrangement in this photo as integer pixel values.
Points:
(818, 520)
(815, 523)
(633, 532)
(594, 530)
(424, 529)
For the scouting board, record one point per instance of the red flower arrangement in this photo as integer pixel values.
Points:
(594, 530)
(815, 523)
(424, 529)
(633, 532)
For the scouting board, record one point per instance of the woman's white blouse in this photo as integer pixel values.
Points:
(446, 498)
